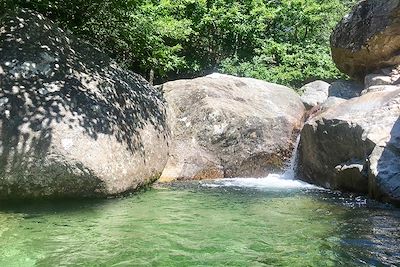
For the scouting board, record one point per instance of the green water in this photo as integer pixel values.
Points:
(194, 225)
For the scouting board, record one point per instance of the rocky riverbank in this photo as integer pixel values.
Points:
(75, 124)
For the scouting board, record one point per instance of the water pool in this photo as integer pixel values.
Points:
(221, 223)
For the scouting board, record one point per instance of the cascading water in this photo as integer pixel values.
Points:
(284, 180)
(290, 171)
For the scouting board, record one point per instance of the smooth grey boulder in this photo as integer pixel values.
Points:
(314, 93)
(355, 146)
(368, 38)
(72, 123)
(226, 126)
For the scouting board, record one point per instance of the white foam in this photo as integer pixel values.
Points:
(272, 181)
(285, 180)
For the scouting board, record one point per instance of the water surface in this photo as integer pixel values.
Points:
(222, 223)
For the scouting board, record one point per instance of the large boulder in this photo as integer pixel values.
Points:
(355, 146)
(225, 126)
(368, 38)
(72, 123)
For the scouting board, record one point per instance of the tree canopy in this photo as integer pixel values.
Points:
(284, 41)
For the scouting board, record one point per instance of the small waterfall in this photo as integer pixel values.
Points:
(290, 171)
(285, 180)
(274, 181)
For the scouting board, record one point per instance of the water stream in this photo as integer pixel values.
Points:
(196, 224)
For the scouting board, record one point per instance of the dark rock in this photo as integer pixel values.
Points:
(368, 38)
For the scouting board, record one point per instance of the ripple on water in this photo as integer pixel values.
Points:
(232, 222)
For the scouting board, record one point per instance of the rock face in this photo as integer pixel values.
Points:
(330, 102)
(72, 123)
(225, 126)
(382, 78)
(314, 93)
(319, 96)
(355, 146)
(368, 38)
(345, 89)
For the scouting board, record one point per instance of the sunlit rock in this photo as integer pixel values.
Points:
(226, 126)
(384, 78)
(314, 93)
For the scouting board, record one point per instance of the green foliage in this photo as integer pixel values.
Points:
(282, 63)
(292, 42)
(143, 38)
(284, 41)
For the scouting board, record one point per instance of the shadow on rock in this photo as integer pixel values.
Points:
(384, 174)
(63, 104)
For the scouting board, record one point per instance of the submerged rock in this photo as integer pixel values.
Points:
(368, 38)
(225, 126)
(72, 123)
(355, 146)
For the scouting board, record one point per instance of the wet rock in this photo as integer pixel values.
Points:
(384, 171)
(72, 122)
(225, 126)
